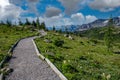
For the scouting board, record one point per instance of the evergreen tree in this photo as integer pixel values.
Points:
(27, 22)
(34, 23)
(43, 26)
(20, 22)
(109, 35)
(38, 23)
(66, 30)
(8, 22)
(2, 23)
(53, 28)
(60, 31)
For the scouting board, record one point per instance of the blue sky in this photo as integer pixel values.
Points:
(59, 12)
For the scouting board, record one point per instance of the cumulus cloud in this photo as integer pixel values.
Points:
(33, 0)
(78, 18)
(53, 15)
(90, 18)
(71, 6)
(55, 20)
(105, 5)
(52, 11)
(30, 4)
(60, 20)
(17, 2)
(8, 10)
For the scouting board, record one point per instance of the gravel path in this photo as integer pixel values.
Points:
(26, 64)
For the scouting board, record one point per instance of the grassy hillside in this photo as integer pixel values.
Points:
(98, 33)
(81, 58)
(9, 35)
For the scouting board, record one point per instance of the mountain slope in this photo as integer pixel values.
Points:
(98, 23)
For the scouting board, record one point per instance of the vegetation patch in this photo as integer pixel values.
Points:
(9, 35)
(82, 58)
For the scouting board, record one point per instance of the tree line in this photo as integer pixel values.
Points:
(35, 24)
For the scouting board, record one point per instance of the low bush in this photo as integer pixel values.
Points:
(94, 41)
(59, 43)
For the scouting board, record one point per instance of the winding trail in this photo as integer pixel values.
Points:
(27, 65)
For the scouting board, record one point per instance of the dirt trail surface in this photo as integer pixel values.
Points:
(27, 65)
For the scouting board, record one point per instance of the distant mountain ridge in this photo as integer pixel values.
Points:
(94, 24)
(98, 23)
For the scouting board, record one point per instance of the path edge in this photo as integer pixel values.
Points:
(7, 57)
(49, 63)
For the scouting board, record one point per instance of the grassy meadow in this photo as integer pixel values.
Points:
(8, 37)
(81, 58)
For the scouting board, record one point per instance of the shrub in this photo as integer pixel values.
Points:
(81, 43)
(59, 43)
(67, 68)
(94, 41)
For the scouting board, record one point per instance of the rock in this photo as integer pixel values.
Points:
(108, 77)
(42, 32)
(47, 41)
(66, 35)
(70, 37)
(8, 70)
(3, 69)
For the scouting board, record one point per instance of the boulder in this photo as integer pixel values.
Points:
(70, 37)
(47, 41)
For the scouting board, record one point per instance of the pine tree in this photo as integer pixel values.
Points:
(109, 35)
(2, 23)
(53, 28)
(9, 23)
(20, 22)
(34, 23)
(43, 26)
(60, 31)
(27, 22)
(38, 23)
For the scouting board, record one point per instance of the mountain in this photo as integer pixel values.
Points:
(98, 23)
(94, 24)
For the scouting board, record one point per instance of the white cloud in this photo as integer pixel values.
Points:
(71, 6)
(8, 10)
(78, 18)
(60, 20)
(55, 21)
(105, 5)
(52, 11)
(90, 18)
(30, 4)
(52, 15)
(4, 3)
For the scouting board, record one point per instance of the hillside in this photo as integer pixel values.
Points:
(9, 35)
(98, 33)
(81, 58)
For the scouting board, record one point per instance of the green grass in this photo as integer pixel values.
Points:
(9, 35)
(81, 58)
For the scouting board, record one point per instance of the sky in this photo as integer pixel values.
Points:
(59, 12)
